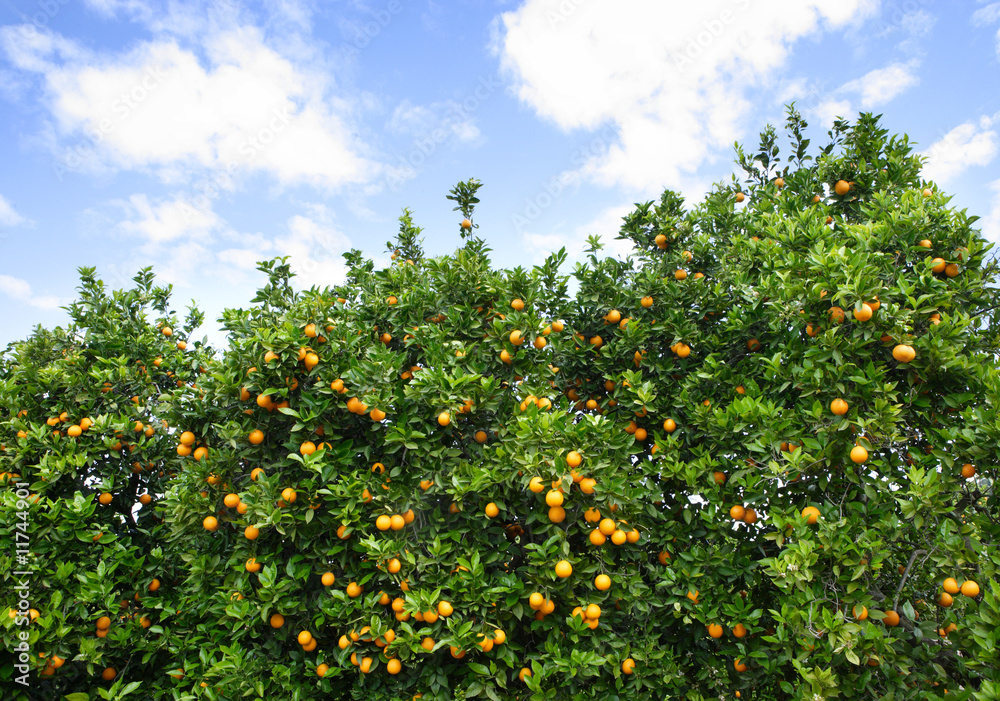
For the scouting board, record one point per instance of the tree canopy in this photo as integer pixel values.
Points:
(755, 459)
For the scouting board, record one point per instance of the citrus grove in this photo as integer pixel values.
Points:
(756, 460)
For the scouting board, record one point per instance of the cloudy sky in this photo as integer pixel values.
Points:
(201, 137)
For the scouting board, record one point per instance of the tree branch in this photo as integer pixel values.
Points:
(906, 573)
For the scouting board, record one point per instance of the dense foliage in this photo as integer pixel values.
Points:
(749, 461)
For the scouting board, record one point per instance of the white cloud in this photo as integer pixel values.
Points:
(673, 77)
(21, 290)
(883, 84)
(162, 107)
(8, 216)
(830, 109)
(168, 220)
(315, 246)
(969, 144)
(438, 121)
(988, 15)
(605, 224)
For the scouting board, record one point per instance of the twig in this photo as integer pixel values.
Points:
(906, 573)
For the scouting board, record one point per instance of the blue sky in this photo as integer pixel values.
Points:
(200, 137)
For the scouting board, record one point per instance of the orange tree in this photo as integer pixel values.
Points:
(84, 463)
(755, 460)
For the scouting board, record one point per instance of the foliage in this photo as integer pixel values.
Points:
(693, 378)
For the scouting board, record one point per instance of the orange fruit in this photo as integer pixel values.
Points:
(525, 672)
(970, 588)
(328, 579)
(715, 630)
(842, 187)
(383, 522)
(277, 620)
(210, 523)
(251, 532)
(628, 666)
(444, 418)
(517, 305)
(945, 600)
(602, 582)
(904, 353)
(108, 674)
(951, 586)
(737, 512)
(863, 314)
(811, 513)
(739, 630)
(573, 459)
(681, 274)
(968, 471)
(231, 500)
(739, 666)
(597, 538)
(563, 569)
(839, 407)
(859, 454)
(860, 612)
(891, 619)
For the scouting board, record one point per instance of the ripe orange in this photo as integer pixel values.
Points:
(811, 513)
(597, 538)
(444, 418)
(739, 666)
(251, 532)
(968, 471)
(842, 187)
(628, 666)
(563, 569)
(970, 588)
(715, 630)
(105, 498)
(210, 523)
(554, 498)
(859, 454)
(328, 579)
(903, 353)
(602, 582)
(383, 522)
(525, 672)
(252, 565)
(517, 304)
(891, 619)
(108, 674)
(739, 630)
(863, 314)
(945, 600)
(737, 512)
(289, 495)
(277, 620)
(681, 274)
(860, 612)
(354, 590)
(839, 407)
(574, 459)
